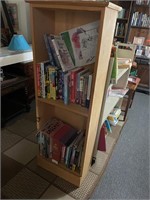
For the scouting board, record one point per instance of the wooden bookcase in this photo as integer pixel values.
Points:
(123, 22)
(140, 31)
(137, 29)
(54, 17)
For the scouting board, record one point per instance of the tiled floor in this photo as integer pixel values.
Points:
(23, 179)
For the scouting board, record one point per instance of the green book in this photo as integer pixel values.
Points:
(114, 73)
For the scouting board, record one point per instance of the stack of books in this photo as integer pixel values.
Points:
(62, 143)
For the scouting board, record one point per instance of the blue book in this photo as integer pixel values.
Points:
(108, 126)
(66, 90)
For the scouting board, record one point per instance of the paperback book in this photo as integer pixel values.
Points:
(82, 43)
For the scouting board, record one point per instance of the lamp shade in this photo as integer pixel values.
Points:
(18, 43)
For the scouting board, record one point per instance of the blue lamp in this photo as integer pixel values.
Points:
(19, 43)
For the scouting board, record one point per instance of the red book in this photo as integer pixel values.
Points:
(102, 141)
(73, 79)
(57, 144)
(52, 132)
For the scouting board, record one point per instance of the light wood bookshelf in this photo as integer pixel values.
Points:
(55, 17)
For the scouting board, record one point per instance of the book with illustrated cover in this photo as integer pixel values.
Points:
(66, 38)
(82, 41)
(62, 53)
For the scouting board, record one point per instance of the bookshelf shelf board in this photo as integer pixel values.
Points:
(72, 107)
(141, 27)
(122, 19)
(121, 72)
(120, 37)
(109, 105)
(59, 170)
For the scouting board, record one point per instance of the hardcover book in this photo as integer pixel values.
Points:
(52, 82)
(66, 90)
(44, 66)
(78, 84)
(57, 141)
(73, 83)
(89, 90)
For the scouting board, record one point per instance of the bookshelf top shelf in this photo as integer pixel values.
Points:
(88, 3)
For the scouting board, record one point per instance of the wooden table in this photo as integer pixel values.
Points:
(11, 103)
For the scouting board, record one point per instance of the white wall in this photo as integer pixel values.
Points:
(23, 18)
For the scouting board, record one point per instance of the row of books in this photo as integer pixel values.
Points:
(143, 2)
(73, 86)
(62, 143)
(140, 19)
(120, 28)
(73, 48)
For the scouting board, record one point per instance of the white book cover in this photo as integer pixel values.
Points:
(62, 53)
(84, 43)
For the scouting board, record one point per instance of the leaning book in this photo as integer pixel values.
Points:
(83, 43)
(63, 55)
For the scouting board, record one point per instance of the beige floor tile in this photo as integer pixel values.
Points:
(8, 139)
(22, 127)
(23, 152)
(101, 161)
(54, 193)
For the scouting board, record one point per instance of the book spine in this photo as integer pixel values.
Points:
(38, 79)
(42, 78)
(108, 126)
(89, 91)
(56, 152)
(63, 152)
(85, 86)
(58, 55)
(66, 38)
(73, 86)
(66, 88)
(60, 84)
(81, 89)
(49, 50)
(57, 64)
(52, 78)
